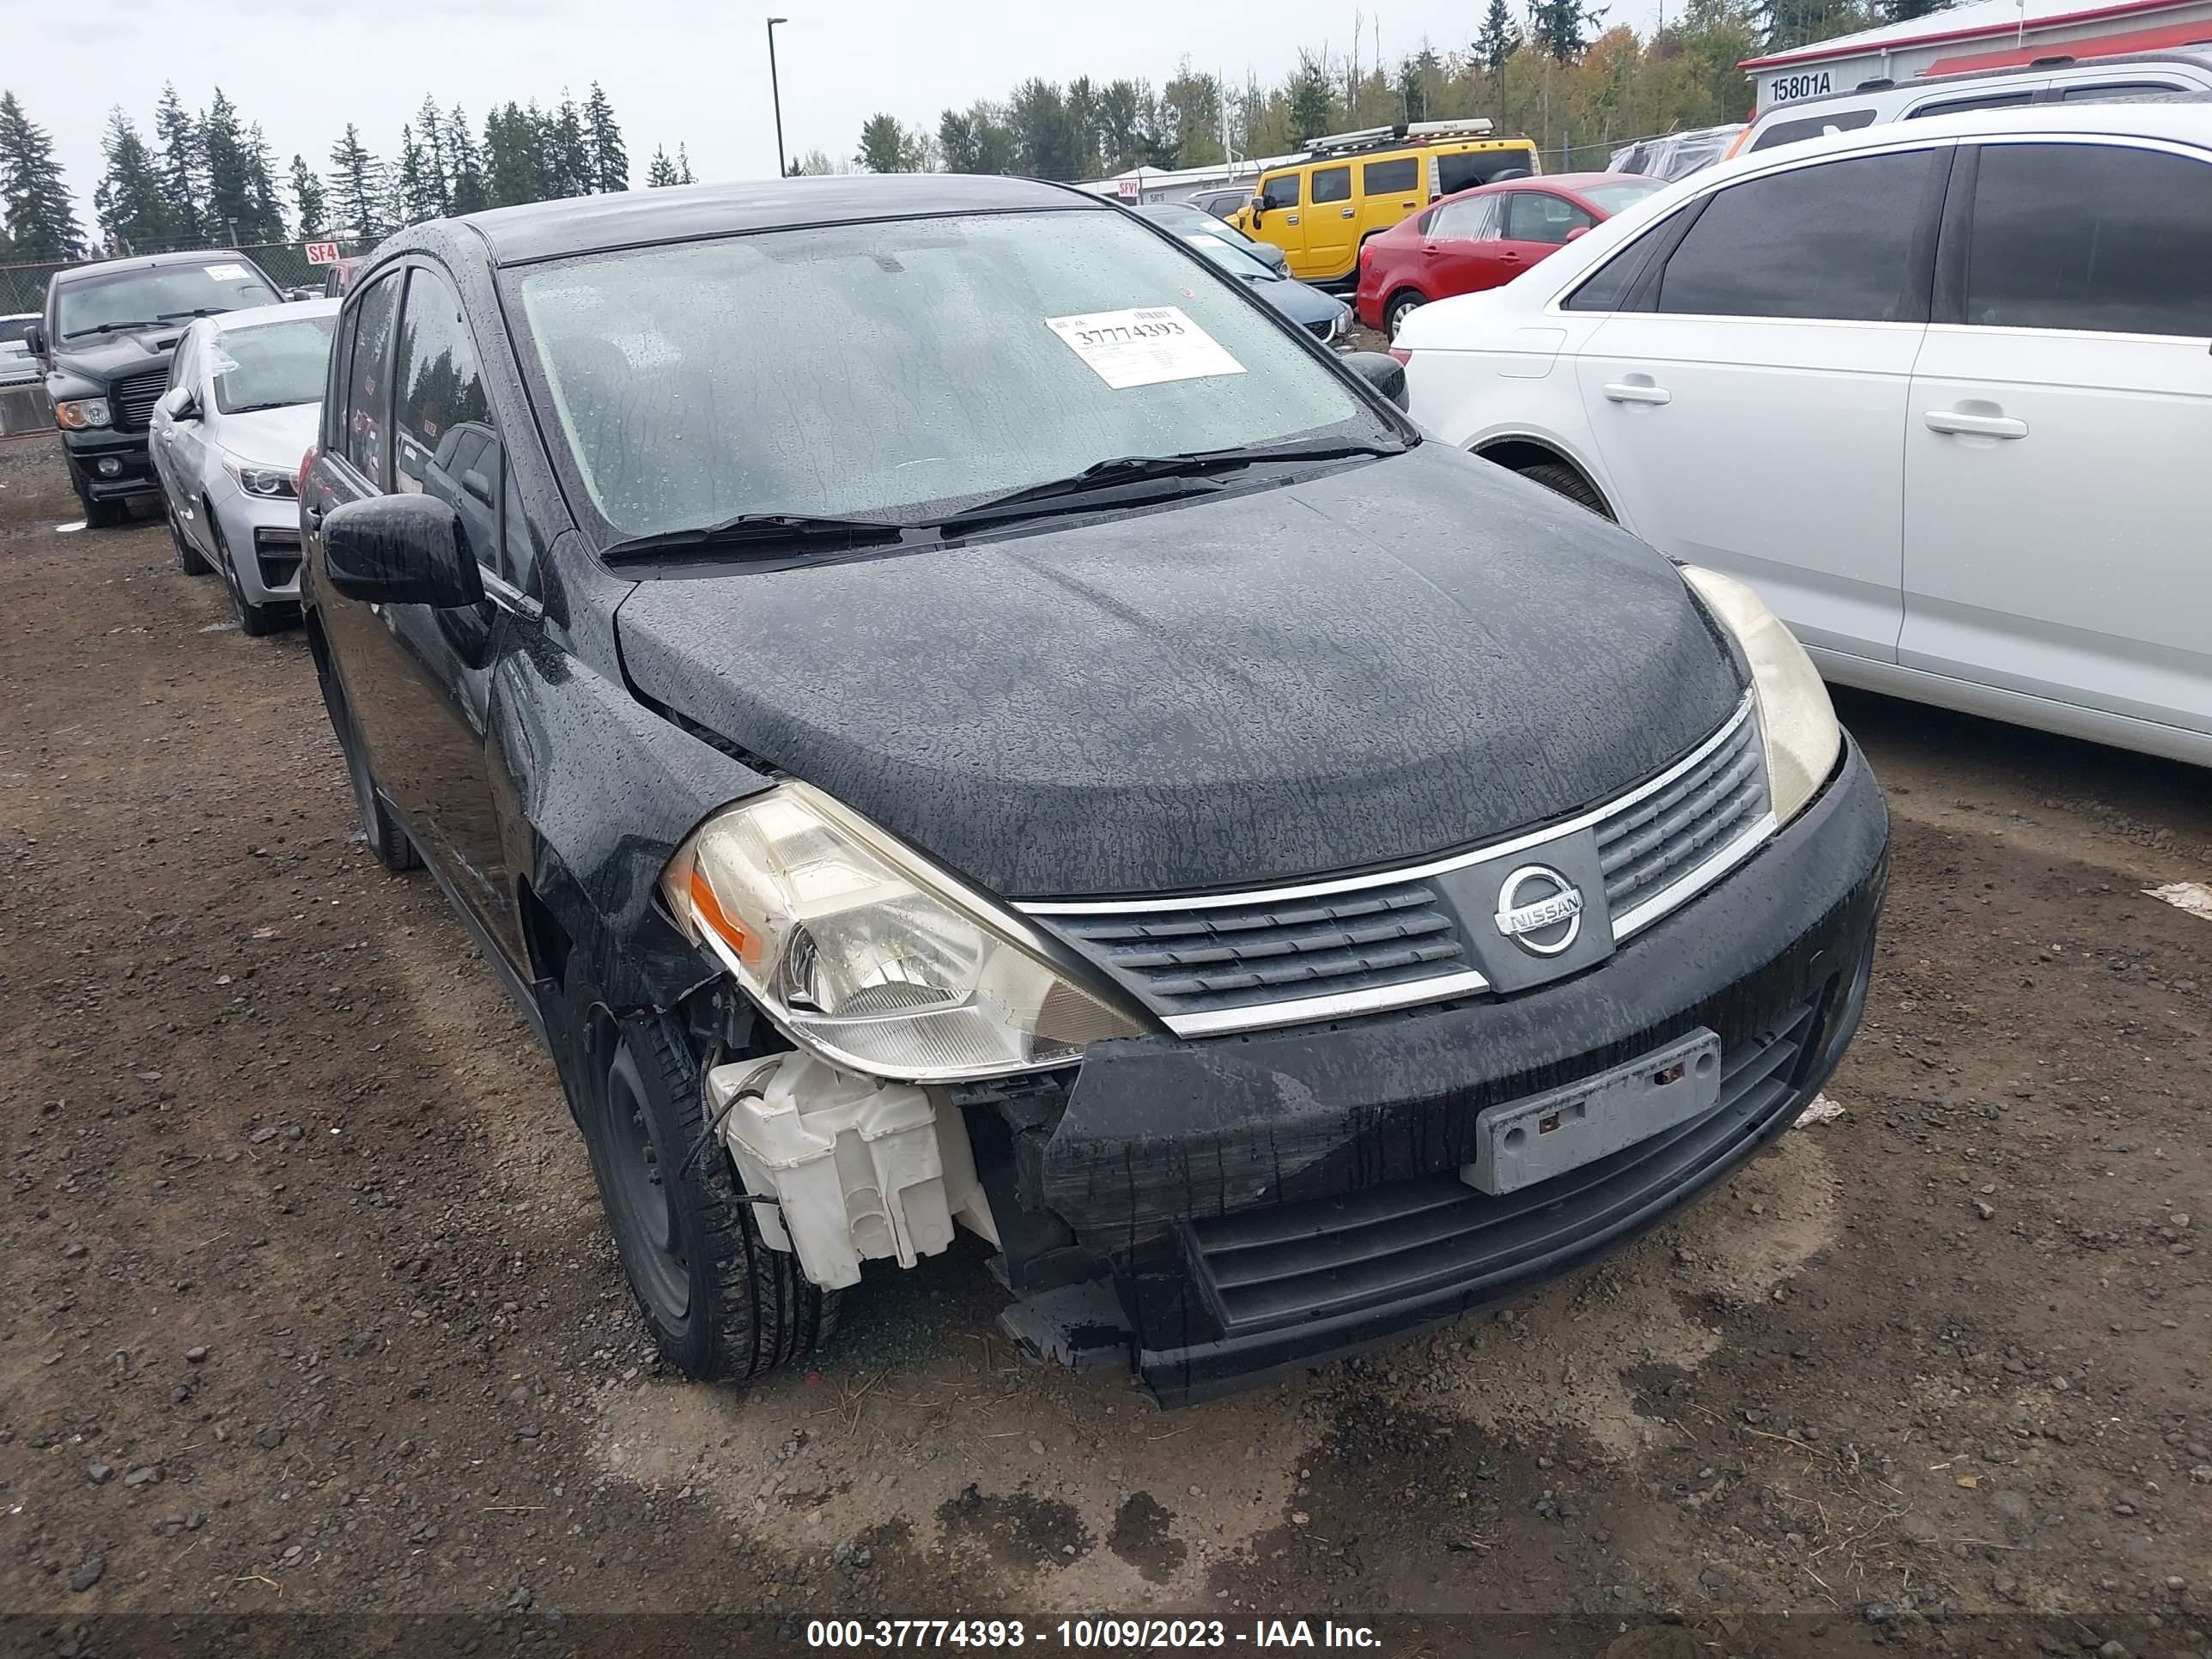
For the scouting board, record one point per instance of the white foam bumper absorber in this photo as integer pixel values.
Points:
(858, 1167)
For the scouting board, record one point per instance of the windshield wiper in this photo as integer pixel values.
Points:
(200, 310)
(110, 328)
(1116, 474)
(758, 533)
(280, 403)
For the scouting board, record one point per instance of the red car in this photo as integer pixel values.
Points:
(1483, 237)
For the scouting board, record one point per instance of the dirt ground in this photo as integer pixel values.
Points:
(306, 1306)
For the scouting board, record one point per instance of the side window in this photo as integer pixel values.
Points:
(368, 393)
(1608, 288)
(1332, 184)
(1834, 240)
(1537, 215)
(2090, 236)
(1464, 221)
(181, 365)
(2106, 92)
(1788, 132)
(1281, 191)
(1397, 178)
(1988, 100)
(445, 443)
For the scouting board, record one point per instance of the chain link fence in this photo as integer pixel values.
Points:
(23, 287)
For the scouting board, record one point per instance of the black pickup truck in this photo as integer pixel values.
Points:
(105, 342)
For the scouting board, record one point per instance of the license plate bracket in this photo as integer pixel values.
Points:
(1521, 1142)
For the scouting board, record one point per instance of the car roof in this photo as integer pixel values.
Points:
(635, 218)
(2185, 118)
(149, 262)
(1563, 181)
(223, 321)
(2043, 69)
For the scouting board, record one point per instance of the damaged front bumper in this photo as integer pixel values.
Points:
(1265, 1200)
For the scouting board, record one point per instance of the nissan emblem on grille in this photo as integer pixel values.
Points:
(1540, 909)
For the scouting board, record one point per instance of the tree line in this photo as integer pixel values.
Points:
(210, 176)
(1549, 73)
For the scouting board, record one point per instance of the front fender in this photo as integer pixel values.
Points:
(595, 791)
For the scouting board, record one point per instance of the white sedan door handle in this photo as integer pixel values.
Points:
(1631, 391)
(1979, 425)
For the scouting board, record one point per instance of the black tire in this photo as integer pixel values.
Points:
(1562, 480)
(720, 1304)
(387, 840)
(1401, 306)
(190, 559)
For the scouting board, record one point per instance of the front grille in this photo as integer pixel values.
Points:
(1654, 842)
(131, 402)
(1324, 330)
(1279, 1265)
(1241, 956)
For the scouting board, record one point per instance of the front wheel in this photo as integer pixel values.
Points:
(719, 1301)
(255, 621)
(1565, 481)
(1401, 306)
(99, 514)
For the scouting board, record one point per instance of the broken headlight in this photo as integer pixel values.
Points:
(1796, 721)
(864, 953)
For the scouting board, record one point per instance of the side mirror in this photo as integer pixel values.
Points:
(185, 407)
(1259, 208)
(477, 485)
(1379, 370)
(1578, 231)
(401, 550)
(34, 338)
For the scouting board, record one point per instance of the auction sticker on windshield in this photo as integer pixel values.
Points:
(1144, 347)
(227, 273)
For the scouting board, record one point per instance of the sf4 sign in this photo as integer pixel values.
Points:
(322, 253)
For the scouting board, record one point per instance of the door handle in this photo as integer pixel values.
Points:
(1629, 392)
(1290, 218)
(1346, 213)
(1508, 254)
(1980, 426)
(313, 515)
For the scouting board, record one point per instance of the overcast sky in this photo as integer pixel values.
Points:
(676, 73)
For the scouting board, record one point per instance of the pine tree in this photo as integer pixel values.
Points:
(261, 187)
(430, 133)
(1903, 11)
(465, 171)
(1562, 27)
(357, 186)
(569, 151)
(131, 208)
(233, 212)
(684, 167)
(307, 201)
(882, 145)
(1311, 101)
(39, 219)
(183, 168)
(513, 156)
(661, 173)
(1497, 40)
(609, 161)
(407, 185)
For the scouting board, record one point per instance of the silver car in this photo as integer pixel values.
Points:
(246, 392)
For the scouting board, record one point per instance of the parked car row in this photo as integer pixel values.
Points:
(1933, 387)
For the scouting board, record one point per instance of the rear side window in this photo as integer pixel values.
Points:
(1988, 100)
(1788, 132)
(2106, 92)
(1537, 215)
(1463, 221)
(1332, 184)
(2090, 236)
(1281, 191)
(368, 395)
(1833, 240)
(1465, 169)
(1397, 178)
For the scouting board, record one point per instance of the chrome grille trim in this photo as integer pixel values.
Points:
(1405, 873)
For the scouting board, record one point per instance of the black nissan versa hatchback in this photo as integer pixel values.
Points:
(1025, 740)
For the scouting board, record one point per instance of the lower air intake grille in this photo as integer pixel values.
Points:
(1239, 956)
(1649, 846)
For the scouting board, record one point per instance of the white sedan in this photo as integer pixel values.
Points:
(1939, 390)
(244, 400)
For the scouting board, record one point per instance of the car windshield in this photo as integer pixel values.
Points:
(1614, 198)
(939, 363)
(12, 329)
(164, 293)
(1234, 260)
(268, 365)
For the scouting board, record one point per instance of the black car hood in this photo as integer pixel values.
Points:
(106, 358)
(1392, 661)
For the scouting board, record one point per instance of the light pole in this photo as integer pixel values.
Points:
(776, 94)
